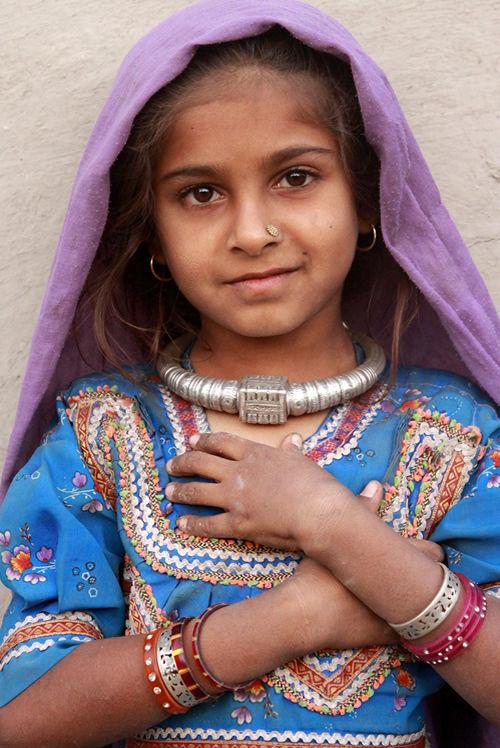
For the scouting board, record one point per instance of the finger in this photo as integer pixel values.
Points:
(222, 444)
(197, 463)
(195, 492)
(372, 495)
(215, 526)
(432, 550)
(292, 441)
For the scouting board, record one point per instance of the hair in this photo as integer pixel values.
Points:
(120, 285)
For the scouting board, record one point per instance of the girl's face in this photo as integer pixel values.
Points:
(233, 163)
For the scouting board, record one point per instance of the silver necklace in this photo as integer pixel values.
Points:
(269, 399)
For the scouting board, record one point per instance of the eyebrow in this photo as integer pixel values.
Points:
(286, 154)
(190, 171)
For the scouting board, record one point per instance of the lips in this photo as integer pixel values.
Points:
(264, 274)
(261, 284)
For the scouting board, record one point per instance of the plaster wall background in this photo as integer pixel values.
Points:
(57, 63)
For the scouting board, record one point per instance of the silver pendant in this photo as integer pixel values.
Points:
(262, 399)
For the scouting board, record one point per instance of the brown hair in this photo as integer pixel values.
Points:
(120, 285)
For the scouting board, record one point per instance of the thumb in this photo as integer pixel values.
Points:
(292, 441)
(372, 495)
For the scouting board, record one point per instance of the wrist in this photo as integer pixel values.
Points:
(326, 519)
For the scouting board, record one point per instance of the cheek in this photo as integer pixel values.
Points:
(187, 269)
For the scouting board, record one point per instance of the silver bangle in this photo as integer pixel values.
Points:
(435, 613)
(170, 673)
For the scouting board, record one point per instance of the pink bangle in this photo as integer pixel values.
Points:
(459, 636)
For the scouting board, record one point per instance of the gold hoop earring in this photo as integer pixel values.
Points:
(372, 243)
(161, 278)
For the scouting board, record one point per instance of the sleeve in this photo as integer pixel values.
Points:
(61, 555)
(469, 532)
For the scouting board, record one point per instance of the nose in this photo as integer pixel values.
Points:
(253, 229)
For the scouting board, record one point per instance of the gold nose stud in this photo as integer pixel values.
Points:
(272, 229)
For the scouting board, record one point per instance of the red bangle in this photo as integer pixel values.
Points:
(459, 636)
(197, 654)
(155, 680)
(185, 672)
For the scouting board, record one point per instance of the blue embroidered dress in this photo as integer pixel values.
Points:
(90, 548)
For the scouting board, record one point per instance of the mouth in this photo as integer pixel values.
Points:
(271, 273)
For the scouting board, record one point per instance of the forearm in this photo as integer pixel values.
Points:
(99, 692)
(397, 582)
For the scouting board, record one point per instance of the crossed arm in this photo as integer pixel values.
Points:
(357, 574)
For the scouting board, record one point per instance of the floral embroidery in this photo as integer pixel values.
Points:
(255, 693)
(86, 578)
(404, 679)
(494, 481)
(5, 537)
(44, 554)
(388, 406)
(94, 505)
(399, 702)
(413, 400)
(495, 456)
(34, 577)
(241, 714)
(25, 533)
(454, 556)
(79, 480)
(18, 561)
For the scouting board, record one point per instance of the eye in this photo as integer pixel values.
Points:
(296, 178)
(200, 195)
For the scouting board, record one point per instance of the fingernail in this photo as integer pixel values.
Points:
(169, 466)
(370, 489)
(296, 440)
(169, 490)
(181, 523)
(193, 440)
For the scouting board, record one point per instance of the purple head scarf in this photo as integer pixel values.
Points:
(457, 322)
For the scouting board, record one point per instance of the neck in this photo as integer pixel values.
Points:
(300, 357)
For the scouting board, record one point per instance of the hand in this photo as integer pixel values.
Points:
(272, 496)
(334, 618)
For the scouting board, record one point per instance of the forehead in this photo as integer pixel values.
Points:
(249, 109)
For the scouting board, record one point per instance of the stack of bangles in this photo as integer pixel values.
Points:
(175, 685)
(455, 638)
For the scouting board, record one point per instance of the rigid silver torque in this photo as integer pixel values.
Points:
(269, 399)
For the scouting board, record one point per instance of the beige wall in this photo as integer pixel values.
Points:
(58, 59)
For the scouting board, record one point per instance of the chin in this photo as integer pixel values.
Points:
(265, 330)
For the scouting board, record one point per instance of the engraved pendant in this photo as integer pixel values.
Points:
(262, 399)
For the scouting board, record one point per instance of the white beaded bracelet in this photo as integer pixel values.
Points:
(435, 613)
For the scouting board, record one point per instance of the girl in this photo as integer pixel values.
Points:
(264, 189)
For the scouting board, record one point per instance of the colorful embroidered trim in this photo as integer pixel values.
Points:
(60, 627)
(139, 743)
(437, 456)
(160, 737)
(332, 688)
(353, 419)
